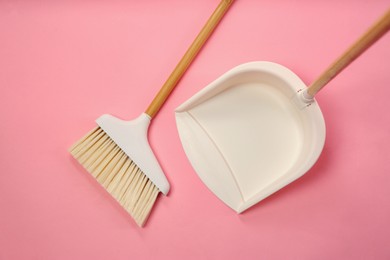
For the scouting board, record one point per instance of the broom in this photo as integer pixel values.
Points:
(117, 152)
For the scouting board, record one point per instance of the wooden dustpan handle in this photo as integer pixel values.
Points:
(192, 51)
(374, 33)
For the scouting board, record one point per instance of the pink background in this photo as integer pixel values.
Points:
(64, 63)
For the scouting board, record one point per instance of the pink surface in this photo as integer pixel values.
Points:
(64, 63)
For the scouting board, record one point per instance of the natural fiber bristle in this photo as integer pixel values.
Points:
(117, 173)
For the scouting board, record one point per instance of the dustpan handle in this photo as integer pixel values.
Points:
(374, 33)
(192, 51)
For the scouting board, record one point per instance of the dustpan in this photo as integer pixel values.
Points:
(245, 138)
(258, 127)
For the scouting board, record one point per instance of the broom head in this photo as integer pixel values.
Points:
(118, 155)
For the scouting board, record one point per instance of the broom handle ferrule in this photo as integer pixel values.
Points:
(374, 33)
(188, 57)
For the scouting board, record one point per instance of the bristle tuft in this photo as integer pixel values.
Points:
(117, 173)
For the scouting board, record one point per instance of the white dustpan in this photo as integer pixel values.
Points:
(257, 128)
(245, 138)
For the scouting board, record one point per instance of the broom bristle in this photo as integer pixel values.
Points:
(117, 173)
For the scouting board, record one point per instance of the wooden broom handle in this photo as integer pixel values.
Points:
(192, 51)
(373, 34)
